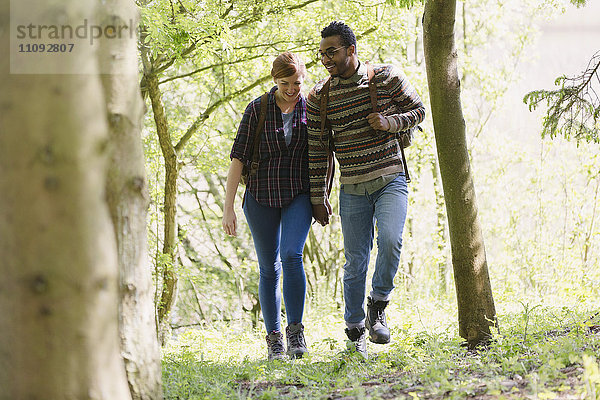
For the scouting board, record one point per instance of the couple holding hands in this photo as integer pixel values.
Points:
(289, 187)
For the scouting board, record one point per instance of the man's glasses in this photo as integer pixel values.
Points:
(330, 52)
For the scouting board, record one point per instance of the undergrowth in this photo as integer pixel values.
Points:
(539, 353)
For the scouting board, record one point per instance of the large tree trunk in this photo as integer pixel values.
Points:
(127, 198)
(476, 311)
(58, 288)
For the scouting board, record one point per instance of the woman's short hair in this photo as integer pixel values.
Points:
(287, 64)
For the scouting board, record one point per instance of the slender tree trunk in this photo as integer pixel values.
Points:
(58, 292)
(127, 199)
(169, 277)
(476, 311)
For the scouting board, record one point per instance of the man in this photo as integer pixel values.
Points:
(373, 184)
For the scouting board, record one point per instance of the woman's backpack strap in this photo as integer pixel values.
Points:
(260, 127)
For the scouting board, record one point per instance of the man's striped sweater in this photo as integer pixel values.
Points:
(362, 153)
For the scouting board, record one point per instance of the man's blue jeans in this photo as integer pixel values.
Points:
(279, 235)
(386, 206)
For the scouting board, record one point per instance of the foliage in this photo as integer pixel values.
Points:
(578, 3)
(542, 351)
(404, 3)
(573, 108)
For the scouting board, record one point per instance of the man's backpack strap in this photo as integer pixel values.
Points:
(330, 171)
(326, 131)
(323, 111)
(264, 99)
(373, 95)
(404, 163)
(372, 87)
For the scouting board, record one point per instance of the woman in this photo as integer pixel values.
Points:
(276, 202)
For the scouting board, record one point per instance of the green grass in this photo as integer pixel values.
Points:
(541, 353)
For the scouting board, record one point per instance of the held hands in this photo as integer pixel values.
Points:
(230, 222)
(321, 212)
(378, 122)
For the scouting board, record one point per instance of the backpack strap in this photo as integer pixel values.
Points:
(325, 128)
(260, 126)
(323, 110)
(372, 87)
(404, 163)
(373, 95)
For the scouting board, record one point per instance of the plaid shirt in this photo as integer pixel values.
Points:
(283, 170)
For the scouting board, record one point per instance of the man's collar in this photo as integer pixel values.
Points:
(360, 72)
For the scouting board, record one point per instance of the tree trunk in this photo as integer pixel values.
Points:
(58, 292)
(127, 199)
(169, 277)
(476, 311)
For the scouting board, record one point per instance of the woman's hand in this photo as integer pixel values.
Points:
(230, 222)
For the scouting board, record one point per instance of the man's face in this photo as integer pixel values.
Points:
(336, 57)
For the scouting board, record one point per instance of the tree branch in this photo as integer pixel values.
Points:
(574, 108)
(170, 61)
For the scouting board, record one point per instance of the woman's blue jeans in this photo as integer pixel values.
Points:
(279, 235)
(386, 206)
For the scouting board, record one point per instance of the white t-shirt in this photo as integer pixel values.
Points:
(287, 126)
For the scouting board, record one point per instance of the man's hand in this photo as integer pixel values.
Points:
(321, 212)
(378, 122)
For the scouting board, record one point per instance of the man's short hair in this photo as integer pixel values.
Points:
(338, 28)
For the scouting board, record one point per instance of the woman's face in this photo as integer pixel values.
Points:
(289, 87)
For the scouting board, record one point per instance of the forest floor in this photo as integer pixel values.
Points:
(571, 385)
(537, 355)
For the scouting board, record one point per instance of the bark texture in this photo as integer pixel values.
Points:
(127, 197)
(476, 311)
(58, 293)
